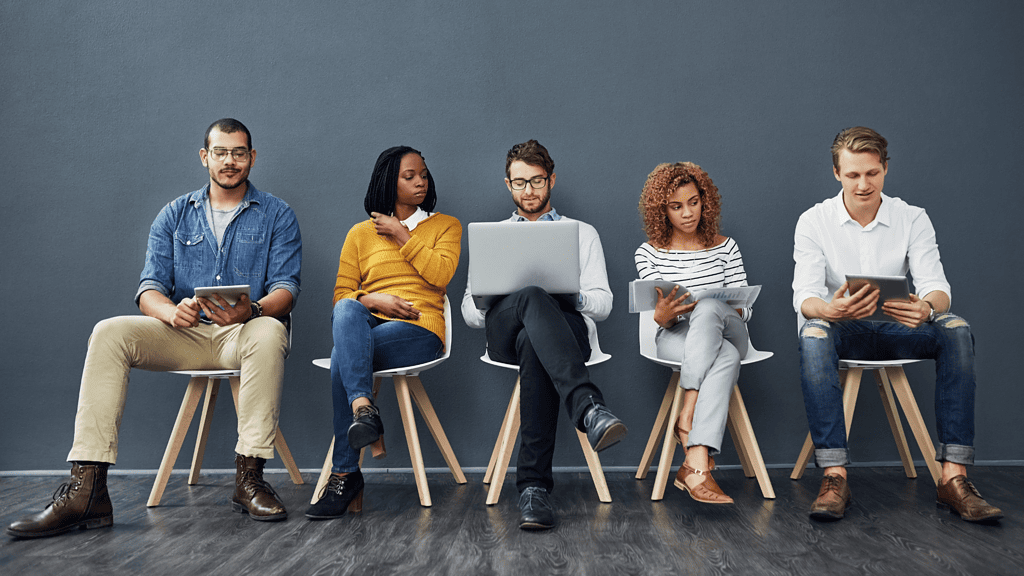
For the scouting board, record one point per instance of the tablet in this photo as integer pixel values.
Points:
(890, 287)
(229, 293)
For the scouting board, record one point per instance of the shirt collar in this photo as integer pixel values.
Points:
(418, 216)
(201, 197)
(882, 218)
(549, 216)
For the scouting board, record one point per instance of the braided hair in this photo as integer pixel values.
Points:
(382, 193)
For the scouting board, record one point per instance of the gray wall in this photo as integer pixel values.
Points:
(103, 105)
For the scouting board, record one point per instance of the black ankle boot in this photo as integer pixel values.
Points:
(340, 494)
(366, 427)
(82, 502)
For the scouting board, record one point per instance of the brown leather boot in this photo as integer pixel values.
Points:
(82, 502)
(253, 495)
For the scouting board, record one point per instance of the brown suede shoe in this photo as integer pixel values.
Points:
(960, 497)
(253, 495)
(832, 500)
(82, 502)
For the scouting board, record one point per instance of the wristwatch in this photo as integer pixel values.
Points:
(257, 310)
(931, 315)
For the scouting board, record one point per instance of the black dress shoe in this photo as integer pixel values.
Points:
(340, 494)
(366, 427)
(535, 511)
(602, 427)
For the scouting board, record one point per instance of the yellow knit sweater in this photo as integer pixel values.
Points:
(417, 272)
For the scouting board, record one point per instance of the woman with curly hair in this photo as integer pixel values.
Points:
(680, 208)
(388, 308)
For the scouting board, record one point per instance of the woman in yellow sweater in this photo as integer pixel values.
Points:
(388, 307)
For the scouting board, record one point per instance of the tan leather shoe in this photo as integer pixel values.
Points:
(960, 497)
(833, 498)
(82, 502)
(253, 495)
(707, 492)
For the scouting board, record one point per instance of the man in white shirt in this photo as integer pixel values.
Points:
(548, 338)
(862, 231)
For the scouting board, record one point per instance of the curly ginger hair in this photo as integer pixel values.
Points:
(661, 183)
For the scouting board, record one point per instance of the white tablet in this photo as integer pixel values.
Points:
(229, 293)
(890, 288)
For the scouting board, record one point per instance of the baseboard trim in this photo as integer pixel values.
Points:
(472, 470)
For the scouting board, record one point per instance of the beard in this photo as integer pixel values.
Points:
(226, 183)
(544, 201)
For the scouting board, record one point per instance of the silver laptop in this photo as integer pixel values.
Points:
(508, 256)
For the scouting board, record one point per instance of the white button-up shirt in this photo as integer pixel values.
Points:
(829, 244)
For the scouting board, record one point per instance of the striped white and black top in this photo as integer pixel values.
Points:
(716, 267)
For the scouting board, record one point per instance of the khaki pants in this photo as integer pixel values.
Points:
(257, 348)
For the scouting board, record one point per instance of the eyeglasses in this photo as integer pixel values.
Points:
(239, 154)
(535, 182)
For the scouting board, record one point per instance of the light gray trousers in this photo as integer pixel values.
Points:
(709, 346)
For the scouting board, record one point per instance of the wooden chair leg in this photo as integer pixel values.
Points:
(901, 387)
(506, 442)
(889, 404)
(512, 407)
(668, 447)
(419, 396)
(850, 381)
(378, 450)
(325, 474)
(596, 472)
(660, 425)
(746, 442)
(412, 437)
(188, 409)
(286, 458)
(212, 388)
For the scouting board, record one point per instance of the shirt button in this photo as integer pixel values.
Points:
(188, 243)
(218, 276)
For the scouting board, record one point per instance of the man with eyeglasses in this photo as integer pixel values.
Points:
(548, 338)
(226, 233)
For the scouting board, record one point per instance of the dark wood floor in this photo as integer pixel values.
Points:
(893, 527)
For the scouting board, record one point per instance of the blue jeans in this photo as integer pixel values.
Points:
(364, 343)
(947, 340)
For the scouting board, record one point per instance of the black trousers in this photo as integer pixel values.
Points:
(548, 339)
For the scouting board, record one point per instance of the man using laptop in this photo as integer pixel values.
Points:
(862, 231)
(226, 233)
(548, 338)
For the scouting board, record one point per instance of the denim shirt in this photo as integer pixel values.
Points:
(262, 247)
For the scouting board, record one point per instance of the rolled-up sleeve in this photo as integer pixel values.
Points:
(284, 263)
(158, 270)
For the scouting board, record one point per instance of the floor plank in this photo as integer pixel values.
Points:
(892, 527)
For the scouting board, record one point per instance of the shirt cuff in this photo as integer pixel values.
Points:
(150, 285)
(292, 288)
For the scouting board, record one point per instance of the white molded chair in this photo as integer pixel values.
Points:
(208, 380)
(502, 453)
(408, 388)
(739, 420)
(890, 377)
